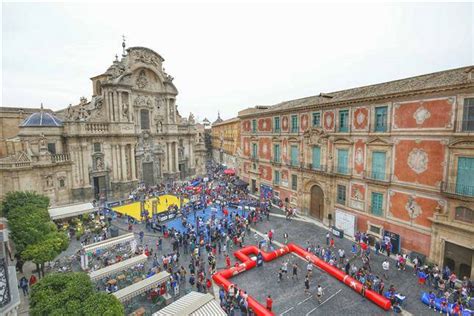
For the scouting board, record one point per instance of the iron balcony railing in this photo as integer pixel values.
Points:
(316, 168)
(458, 189)
(343, 170)
(467, 125)
(377, 176)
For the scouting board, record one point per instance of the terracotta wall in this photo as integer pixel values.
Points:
(411, 208)
(433, 114)
(328, 120)
(359, 156)
(360, 118)
(264, 125)
(264, 148)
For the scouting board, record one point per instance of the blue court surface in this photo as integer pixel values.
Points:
(205, 214)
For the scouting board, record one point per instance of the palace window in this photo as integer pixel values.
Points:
(276, 153)
(62, 183)
(294, 155)
(276, 178)
(341, 194)
(294, 182)
(464, 182)
(468, 115)
(144, 119)
(377, 204)
(342, 161)
(294, 123)
(254, 126)
(276, 124)
(52, 148)
(254, 151)
(344, 121)
(381, 119)
(316, 119)
(464, 214)
(316, 161)
(378, 165)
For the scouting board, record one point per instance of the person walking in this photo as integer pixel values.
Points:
(295, 271)
(319, 293)
(269, 303)
(285, 236)
(309, 269)
(385, 267)
(306, 285)
(327, 239)
(24, 285)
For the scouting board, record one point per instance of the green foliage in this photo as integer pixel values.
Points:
(28, 225)
(18, 199)
(47, 249)
(71, 294)
(102, 304)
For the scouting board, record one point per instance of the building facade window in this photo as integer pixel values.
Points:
(276, 178)
(97, 147)
(316, 159)
(378, 165)
(341, 194)
(468, 115)
(144, 119)
(465, 176)
(342, 161)
(276, 124)
(254, 151)
(52, 148)
(381, 119)
(294, 182)
(294, 155)
(276, 153)
(464, 214)
(294, 123)
(316, 119)
(377, 204)
(254, 126)
(344, 121)
(62, 183)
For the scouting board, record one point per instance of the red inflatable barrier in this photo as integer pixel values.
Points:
(222, 277)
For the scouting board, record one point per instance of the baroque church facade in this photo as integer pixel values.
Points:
(130, 132)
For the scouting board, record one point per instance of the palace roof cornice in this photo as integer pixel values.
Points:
(385, 97)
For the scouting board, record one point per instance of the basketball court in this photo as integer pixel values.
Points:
(159, 204)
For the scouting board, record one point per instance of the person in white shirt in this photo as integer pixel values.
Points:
(319, 293)
(309, 269)
(385, 267)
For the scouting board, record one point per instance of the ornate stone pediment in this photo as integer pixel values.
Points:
(143, 101)
(461, 143)
(315, 135)
(343, 140)
(378, 141)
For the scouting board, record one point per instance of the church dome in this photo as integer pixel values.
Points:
(42, 119)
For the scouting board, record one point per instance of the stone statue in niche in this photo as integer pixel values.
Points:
(49, 181)
(99, 163)
(125, 110)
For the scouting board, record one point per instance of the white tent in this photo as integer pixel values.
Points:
(109, 242)
(195, 304)
(71, 210)
(119, 266)
(138, 288)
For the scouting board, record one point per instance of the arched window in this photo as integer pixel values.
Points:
(464, 214)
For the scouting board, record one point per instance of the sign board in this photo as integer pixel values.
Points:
(346, 222)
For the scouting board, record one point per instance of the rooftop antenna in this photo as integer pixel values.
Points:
(123, 46)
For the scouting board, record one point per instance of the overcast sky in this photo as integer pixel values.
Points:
(229, 57)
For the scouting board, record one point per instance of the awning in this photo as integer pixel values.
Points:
(71, 210)
(141, 287)
(109, 242)
(194, 303)
(119, 266)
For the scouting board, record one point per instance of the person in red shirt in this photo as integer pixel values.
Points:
(32, 279)
(269, 303)
(208, 285)
(227, 261)
(332, 243)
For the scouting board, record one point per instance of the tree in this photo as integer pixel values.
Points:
(17, 199)
(102, 304)
(71, 294)
(45, 250)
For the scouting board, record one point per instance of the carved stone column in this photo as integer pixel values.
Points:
(85, 169)
(123, 166)
(119, 104)
(176, 157)
(132, 159)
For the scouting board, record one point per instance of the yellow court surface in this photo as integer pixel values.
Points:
(133, 209)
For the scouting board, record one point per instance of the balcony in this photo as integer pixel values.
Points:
(276, 162)
(315, 169)
(377, 177)
(454, 190)
(342, 170)
(57, 158)
(253, 158)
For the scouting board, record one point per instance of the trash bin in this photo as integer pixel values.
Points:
(114, 232)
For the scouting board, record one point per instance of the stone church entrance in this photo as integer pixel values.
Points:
(148, 178)
(317, 202)
(99, 187)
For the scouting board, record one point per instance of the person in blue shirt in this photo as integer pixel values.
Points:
(432, 299)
